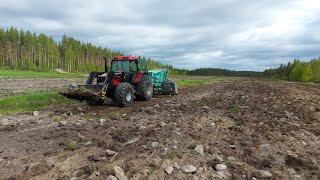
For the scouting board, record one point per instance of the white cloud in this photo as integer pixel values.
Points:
(237, 34)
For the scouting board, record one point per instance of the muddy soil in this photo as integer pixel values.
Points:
(13, 86)
(249, 129)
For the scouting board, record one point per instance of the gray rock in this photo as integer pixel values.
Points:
(88, 143)
(265, 174)
(36, 113)
(162, 124)
(199, 149)
(297, 177)
(62, 123)
(154, 144)
(220, 167)
(206, 107)
(102, 121)
(169, 169)
(50, 163)
(213, 124)
(231, 158)
(189, 169)
(176, 165)
(133, 140)
(119, 173)
(111, 178)
(33, 167)
(110, 152)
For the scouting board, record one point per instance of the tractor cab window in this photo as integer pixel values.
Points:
(120, 66)
(133, 66)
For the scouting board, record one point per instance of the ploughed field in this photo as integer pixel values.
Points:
(232, 129)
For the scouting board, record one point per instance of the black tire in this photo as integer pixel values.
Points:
(91, 77)
(95, 101)
(121, 95)
(145, 89)
(169, 88)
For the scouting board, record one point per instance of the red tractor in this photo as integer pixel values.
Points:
(124, 82)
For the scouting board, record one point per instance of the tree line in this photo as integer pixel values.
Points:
(28, 51)
(296, 71)
(25, 50)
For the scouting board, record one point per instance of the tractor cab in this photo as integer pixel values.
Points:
(126, 69)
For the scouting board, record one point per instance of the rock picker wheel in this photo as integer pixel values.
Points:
(169, 88)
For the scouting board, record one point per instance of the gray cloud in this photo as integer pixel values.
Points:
(234, 34)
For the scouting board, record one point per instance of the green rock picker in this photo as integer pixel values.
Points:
(127, 80)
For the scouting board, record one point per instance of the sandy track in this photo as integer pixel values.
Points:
(255, 128)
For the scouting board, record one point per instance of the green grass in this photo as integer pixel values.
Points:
(31, 101)
(35, 74)
(191, 81)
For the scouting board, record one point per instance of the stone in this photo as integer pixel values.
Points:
(62, 123)
(189, 169)
(110, 177)
(88, 143)
(297, 177)
(32, 167)
(265, 174)
(50, 163)
(36, 113)
(213, 124)
(111, 153)
(79, 109)
(119, 173)
(176, 165)
(154, 144)
(220, 167)
(156, 162)
(142, 128)
(102, 121)
(206, 108)
(133, 140)
(231, 158)
(169, 170)
(199, 149)
(162, 124)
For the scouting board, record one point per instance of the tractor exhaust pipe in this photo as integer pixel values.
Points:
(105, 64)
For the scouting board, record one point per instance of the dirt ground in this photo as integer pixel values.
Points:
(243, 129)
(13, 86)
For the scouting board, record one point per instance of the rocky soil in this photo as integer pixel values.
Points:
(13, 86)
(248, 129)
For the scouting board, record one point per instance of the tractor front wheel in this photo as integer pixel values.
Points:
(123, 95)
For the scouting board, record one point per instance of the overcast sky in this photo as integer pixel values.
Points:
(233, 34)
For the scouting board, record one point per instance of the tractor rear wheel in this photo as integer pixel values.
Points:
(145, 89)
(169, 88)
(123, 95)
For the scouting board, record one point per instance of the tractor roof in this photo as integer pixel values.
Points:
(125, 58)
